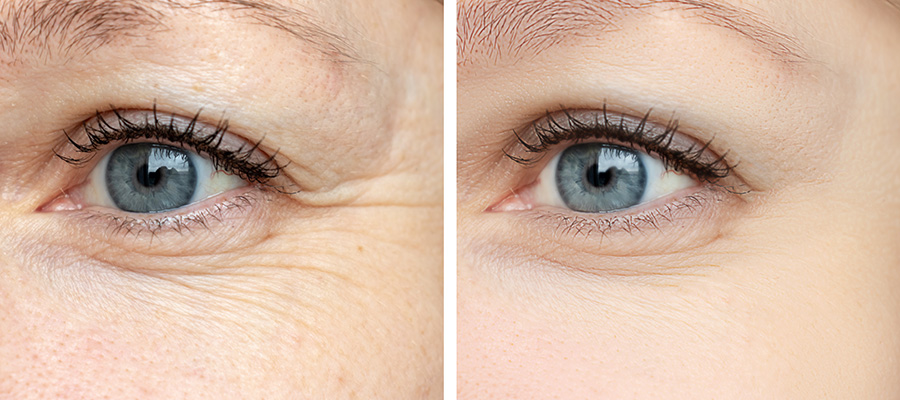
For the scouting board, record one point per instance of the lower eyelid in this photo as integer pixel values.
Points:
(689, 219)
(226, 210)
(236, 223)
(686, 199)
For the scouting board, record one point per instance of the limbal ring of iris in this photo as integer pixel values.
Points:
(150, 177)
(600, 178)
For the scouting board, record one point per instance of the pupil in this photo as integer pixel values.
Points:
(599, 178)
(147, 178)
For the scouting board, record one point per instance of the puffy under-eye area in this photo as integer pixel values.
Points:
(153, 178)
(604, 178)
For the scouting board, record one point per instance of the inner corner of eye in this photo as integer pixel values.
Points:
(518, 200)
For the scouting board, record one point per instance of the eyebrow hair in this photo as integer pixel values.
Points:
(511, 28)
(67, 28)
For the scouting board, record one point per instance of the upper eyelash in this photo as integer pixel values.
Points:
(236, 161)
(691, 159)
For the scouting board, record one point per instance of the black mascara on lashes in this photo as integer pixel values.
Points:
(240, 161)
(553, 130)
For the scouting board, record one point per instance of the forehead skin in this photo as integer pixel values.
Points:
(332, 292)
(795, 298)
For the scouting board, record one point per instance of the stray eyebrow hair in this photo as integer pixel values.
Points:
(510, 28)
(67, 28)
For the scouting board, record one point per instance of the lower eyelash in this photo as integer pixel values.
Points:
(569, 224)
(180, 223)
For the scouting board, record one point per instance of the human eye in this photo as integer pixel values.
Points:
(600, 171)
(150, 177)
(600, 177)
(150, 171)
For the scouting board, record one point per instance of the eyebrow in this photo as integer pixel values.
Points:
(68, 28)
(512, 28)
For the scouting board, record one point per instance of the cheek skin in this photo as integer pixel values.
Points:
(60, 351)
(282, 329)
(799, 319)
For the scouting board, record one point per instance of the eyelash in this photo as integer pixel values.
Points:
(693, 159)
(239, 161)
(579, 225)
(126, 225)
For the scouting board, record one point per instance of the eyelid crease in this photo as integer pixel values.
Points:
(682, 154)
(227, 154)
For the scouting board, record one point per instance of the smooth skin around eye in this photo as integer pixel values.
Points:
(332, 292)
(787, 292)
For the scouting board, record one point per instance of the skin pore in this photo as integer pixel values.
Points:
(783, 286)
(329, 288)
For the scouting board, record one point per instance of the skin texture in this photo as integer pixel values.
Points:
(330, 292)
(786, 291)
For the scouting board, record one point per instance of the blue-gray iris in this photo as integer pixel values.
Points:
(599, 177)
(149, 177)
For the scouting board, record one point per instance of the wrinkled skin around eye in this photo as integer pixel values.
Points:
(333, 292)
